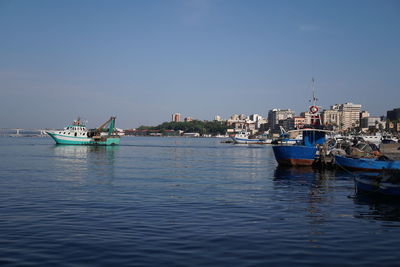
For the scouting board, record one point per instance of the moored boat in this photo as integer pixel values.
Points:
(78, 134)
(303, 154)
(386, 184)
(366, 164)
(244, 137)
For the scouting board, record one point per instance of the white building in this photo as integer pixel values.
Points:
(240, 123)
(258, 119)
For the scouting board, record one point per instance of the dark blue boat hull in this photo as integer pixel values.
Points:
(295, 155)
(375, 186)
(366, 164)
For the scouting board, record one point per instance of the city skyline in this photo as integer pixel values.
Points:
(144, 60)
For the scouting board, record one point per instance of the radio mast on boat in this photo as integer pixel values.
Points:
(315, 116)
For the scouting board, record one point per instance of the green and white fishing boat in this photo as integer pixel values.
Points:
(77, 134)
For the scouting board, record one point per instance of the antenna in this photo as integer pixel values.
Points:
(313, 92)
(315, 118)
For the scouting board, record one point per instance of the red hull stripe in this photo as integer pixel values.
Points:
(296, 162)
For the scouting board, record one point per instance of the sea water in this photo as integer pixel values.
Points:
(182, 202)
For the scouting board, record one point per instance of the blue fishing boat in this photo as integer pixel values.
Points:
(367, 164)
(303, 153)
(386, 184)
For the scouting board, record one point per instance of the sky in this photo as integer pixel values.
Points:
(143, 60)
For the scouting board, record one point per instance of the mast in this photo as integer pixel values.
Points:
(315, 116)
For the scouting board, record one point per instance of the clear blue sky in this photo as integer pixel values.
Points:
(144, 60)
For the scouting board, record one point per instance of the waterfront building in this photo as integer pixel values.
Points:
(293, 123)
(345, 115)
(370, 123)
(276, 115)
(258, 119)
(255, 117)
(307, 117)
(299, 122)
(393, 120)
(241, 123)
(364, 114)
(330, 117)
(287, 124)
(349, 115)
(176, 117)
(191, 135)
(393, 114)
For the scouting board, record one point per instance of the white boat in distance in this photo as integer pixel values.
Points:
(244, 137)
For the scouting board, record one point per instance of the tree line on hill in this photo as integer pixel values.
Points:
(195, 126)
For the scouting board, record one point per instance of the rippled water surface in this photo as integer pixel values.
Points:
(182, 202)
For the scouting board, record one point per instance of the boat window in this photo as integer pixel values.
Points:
(76, 134)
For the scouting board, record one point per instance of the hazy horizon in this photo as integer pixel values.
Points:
(144, 60)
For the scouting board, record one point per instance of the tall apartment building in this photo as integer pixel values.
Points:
(345, 115)
(176, 117)
(350, 115)
(276, 115)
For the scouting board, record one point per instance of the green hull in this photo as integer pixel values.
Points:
(71, 140)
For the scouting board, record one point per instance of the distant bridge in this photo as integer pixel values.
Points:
(22, 132)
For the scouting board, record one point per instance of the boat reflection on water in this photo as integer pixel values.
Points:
(306, 174)
(311, 190)
(94, 164)
(379, 208)
(309, 184)
(301, 173)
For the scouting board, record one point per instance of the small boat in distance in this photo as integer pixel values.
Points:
(78, 134)
(244, 137)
